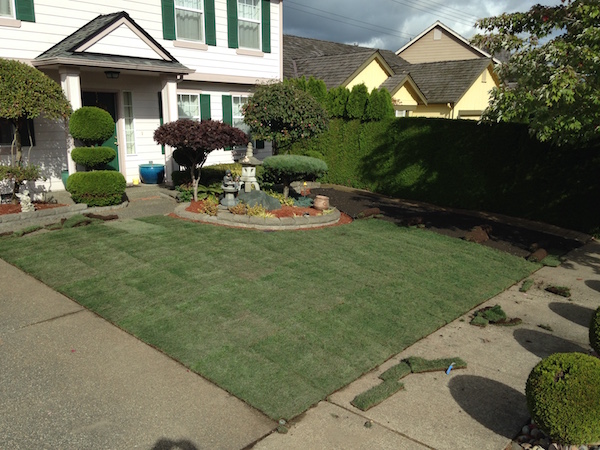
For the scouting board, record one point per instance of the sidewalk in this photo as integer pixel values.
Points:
(69, 379)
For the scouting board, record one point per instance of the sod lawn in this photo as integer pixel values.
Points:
(278, 319)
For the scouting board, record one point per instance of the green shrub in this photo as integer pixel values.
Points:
(99, 188)
(91, 125)
(595, 331)
(357, 102)
(181, 177)
(379, 105)
(336, 101)
(93, 158)
(288, 168)
(563, 397)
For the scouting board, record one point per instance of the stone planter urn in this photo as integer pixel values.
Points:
(321, 202)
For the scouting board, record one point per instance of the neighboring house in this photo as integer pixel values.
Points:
(440, 43)
(146, 63)
(446, 89)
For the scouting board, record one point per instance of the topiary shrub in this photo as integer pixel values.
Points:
(563, 397)
(91, 125)
(288, 168)
(595, 331)
(99, 188)
(93, 158)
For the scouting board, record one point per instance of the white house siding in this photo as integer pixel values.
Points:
(219, 71)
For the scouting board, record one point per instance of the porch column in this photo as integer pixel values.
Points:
(71, 85)
(169, 114)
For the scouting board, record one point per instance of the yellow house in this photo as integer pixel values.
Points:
(452, 89)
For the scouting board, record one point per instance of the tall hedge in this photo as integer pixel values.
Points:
(456, 163)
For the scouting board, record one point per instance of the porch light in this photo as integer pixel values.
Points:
(112, 74)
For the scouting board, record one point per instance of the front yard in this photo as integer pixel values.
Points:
(278, 319)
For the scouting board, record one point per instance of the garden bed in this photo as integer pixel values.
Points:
(9, 208)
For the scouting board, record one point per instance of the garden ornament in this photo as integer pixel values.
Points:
(25, 200)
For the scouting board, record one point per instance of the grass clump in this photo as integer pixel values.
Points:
(420, 365)
(494, 315)
(526, 285)
(376, 394)
(563, 291)
(27, 230)
(391, 377)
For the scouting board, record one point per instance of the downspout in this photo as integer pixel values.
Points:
(451, 106)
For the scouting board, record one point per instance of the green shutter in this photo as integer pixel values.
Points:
(266, 26)
(204, 107)
(227, 110)
(24, 10)
(160, 117)
(209, 22)
(168, 19)
(232, 24)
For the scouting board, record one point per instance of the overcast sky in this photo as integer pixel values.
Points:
(389, 24)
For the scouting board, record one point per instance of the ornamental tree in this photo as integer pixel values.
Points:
(193, 141)
(283, 114)
(26, 93)
(551, 80)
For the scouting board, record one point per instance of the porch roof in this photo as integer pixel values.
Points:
(71, 51)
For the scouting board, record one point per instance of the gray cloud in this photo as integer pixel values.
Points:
(389, 24)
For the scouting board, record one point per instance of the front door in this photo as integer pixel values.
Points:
(106, 101)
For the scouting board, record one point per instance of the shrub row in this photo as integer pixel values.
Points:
(462, 164)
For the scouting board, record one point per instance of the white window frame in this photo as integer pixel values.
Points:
(200, 12)
(129, 123)
(199, 116)
(258, 21)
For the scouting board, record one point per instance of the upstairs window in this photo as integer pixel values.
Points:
(6, 9)
(17, 9)
(249, 24)
(189, 20)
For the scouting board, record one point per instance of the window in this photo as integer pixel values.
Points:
(188, 20)
(237, 116)
(129, 128)
(193, 106)
(17, 9)
(7, 133)
(249, 24)
(6, 9)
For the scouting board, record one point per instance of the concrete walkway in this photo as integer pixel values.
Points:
(69, 379)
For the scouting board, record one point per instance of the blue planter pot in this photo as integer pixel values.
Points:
(152, 173)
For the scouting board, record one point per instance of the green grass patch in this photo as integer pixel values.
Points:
(280, 319)
(420, 365)
(563, 291)
(396, 372)
(526, 285)
(376, 394)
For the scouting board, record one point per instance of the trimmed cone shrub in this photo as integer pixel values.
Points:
(595, 331)
(99, 188)
(563, 397)
(93, 158)
(91, 125)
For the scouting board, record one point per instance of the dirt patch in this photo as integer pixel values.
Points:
(513, 239)
(15, 209)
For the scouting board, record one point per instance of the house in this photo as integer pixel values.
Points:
(440, 43)
(146, 63)
(453, 89)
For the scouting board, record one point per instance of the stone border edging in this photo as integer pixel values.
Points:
(260, 223)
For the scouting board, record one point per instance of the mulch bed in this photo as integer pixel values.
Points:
(8, 208)
(508, 238)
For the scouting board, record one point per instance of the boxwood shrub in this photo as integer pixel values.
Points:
(93, 157)
(99, 188)
(563, 397)
(91, 125)
(595, 331)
